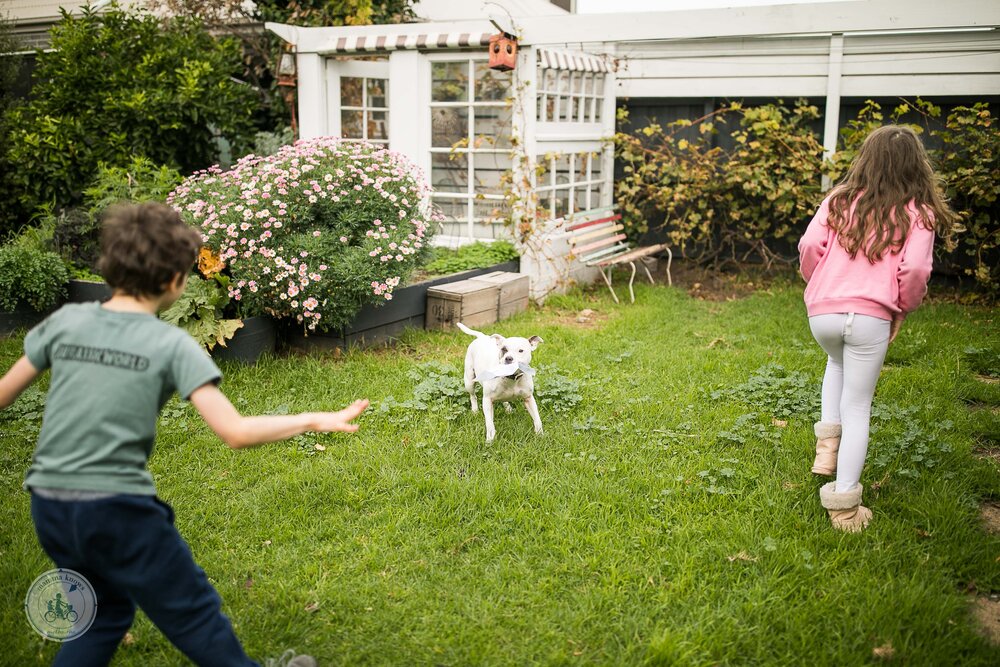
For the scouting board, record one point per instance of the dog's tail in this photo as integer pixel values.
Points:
(471, 332)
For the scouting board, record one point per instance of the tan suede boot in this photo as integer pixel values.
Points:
(845, 509)
(827, 444)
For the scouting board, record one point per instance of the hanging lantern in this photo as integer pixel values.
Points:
(503, 52)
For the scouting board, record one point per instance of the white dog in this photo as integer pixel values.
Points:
(501, 365)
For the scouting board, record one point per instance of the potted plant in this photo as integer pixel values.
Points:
(207, 311)
(313, 232)
(32, 282)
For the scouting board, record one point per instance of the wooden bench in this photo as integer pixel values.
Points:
(597, 239)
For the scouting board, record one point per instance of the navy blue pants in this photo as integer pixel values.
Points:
(130, 551)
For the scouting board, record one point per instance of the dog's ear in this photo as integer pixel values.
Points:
(499, 340)
(535, 340)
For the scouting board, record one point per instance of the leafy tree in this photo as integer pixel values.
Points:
(118, 85)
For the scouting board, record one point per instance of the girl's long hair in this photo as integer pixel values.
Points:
(889, 173)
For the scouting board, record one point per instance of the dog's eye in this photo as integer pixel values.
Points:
(521, 351)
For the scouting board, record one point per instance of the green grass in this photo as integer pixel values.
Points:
(662, 519)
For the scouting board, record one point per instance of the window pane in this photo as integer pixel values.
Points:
(490, 169)
(579, 199)
(351, 125)
(378, 125)
(562, 202)
(350, 91)
(450, 172)
(595, 195)
(491, 210)
(543, 101)
(544, 211)
(450, 82)
(550, 109)
(543, 171)
(376, 93)
(580, 168)
(449, 125)
(491, 85)
(588, 83)
(564, 99)
(562, 169)
(453, 209)
(550, 80)
(493, 127)
(595, 166)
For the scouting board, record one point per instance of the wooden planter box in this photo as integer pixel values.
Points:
(22, 317)
(381, 325)
(82, 291)
(477, 301)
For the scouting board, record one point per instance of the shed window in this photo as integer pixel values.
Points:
(471, 120)
(569, 182)
(566, 96)
(364, 110)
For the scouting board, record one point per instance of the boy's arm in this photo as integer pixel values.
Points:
(238, 431)
(17, 379)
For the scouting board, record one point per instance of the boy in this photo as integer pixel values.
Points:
(93, 502)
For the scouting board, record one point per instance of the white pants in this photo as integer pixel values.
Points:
(856, 345)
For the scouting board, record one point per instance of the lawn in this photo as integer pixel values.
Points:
(667, 515)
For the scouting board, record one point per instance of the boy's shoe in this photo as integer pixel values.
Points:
(827, 445)
(845, 509)
(289, 659)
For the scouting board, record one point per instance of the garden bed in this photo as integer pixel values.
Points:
(380, 325)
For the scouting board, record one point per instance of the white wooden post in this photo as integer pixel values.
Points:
(831, 124)
(311, 91)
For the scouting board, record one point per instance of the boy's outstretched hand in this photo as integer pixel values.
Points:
(340, 420)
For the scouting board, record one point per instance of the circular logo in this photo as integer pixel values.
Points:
(61, 605)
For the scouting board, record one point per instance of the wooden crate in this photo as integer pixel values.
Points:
(513, 291)
(471, 302)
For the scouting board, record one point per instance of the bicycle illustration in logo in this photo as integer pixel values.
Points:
(57, 609)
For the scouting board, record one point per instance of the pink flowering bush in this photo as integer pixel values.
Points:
(314, 231)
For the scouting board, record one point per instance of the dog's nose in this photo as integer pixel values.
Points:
(508, 360)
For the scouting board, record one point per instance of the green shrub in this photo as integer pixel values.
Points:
(313, 232)
(32, 277)
(119, 84)
(753, 199)
(758, 197)
(478, 255)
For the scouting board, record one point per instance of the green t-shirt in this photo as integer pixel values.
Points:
(112, 372)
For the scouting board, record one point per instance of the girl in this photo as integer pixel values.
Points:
(866, 257)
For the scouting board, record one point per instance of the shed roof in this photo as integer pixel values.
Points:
(459, 10)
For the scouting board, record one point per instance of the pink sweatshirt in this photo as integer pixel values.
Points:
(891, 287)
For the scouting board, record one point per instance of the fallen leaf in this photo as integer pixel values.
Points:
(248, 584)
(312, 607)
(884, 652)
(780, 423)
(129, 639)
(266, 543)
(743, 555)
(715, 341)
(790, 485)
(319, 447)
(922, 533)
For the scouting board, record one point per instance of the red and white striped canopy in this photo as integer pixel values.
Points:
(580, 62)
(434, 40)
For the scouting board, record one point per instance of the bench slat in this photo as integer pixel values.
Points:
(638, 253)
(599, 244)
(597, 233)
(589, 223)
(604, 255)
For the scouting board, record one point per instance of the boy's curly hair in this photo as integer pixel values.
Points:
(143, 246)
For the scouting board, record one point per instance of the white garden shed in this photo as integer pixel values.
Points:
(532, 144)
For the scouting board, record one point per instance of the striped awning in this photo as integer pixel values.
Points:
(434, 40)
(580, 62)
